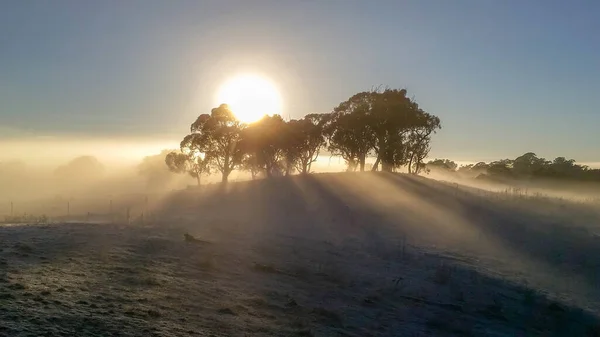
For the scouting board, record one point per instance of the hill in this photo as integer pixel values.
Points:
(346, 254)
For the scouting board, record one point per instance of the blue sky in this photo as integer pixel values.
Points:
(506, 77)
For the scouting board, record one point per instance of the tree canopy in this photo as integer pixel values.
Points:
(443, 164)
(264, 141)
(303, 141)
(384, 124)
(526, 166)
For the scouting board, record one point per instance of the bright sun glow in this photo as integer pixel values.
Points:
(250, 97)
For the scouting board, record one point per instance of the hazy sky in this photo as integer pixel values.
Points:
(504, 76)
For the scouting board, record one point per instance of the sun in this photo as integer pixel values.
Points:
(250, 97)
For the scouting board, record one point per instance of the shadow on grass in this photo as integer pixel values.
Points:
(299, 256)
(568, 250)
(422, 294)
(311, 286)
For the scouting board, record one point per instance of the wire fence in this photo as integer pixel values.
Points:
(133, 208)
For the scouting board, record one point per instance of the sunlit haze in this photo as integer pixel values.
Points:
(250, 97)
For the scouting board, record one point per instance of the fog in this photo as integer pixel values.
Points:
(49, 152)
(77, 176)
(588, 192)
(71, 176)
(41, 174)
(270, 236)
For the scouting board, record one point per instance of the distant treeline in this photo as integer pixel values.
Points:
(527, 166)
(385, 124)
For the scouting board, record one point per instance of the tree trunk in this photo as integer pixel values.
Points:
(387, 167)
(351, 165)
(387, 159)
(376, 165)
(226, 169)
(419, 164)
(198, 180)
(225, 176)
(362, 160)
(410, 164)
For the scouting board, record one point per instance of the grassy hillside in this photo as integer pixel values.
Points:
(323, 255)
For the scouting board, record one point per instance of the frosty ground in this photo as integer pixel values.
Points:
(321, 255)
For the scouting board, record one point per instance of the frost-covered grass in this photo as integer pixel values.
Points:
(324, 255)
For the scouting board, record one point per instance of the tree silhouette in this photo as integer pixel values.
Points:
(419, 140)
(501, 168)
(443, 164)
(562, 167)
(191, 160)
(217, 136)
(303, 141)
(418, 151)
(349, 130)
(480, 167)
(530, 167)
(250, 164)
(263, 143)
(396, 118)
(342, 139)
(386, 123)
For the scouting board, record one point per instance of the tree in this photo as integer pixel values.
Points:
(218, 136)
(250, 164)
(419, 140)
(303, 141)
(395, 116)
(418, 152)
(264, 141)
(348, 130)
(500, 168)
(465, 168)
(481, 167)
(384, 122)
(562, 167)
(443, 164)
(191, 159)
(528, 165)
